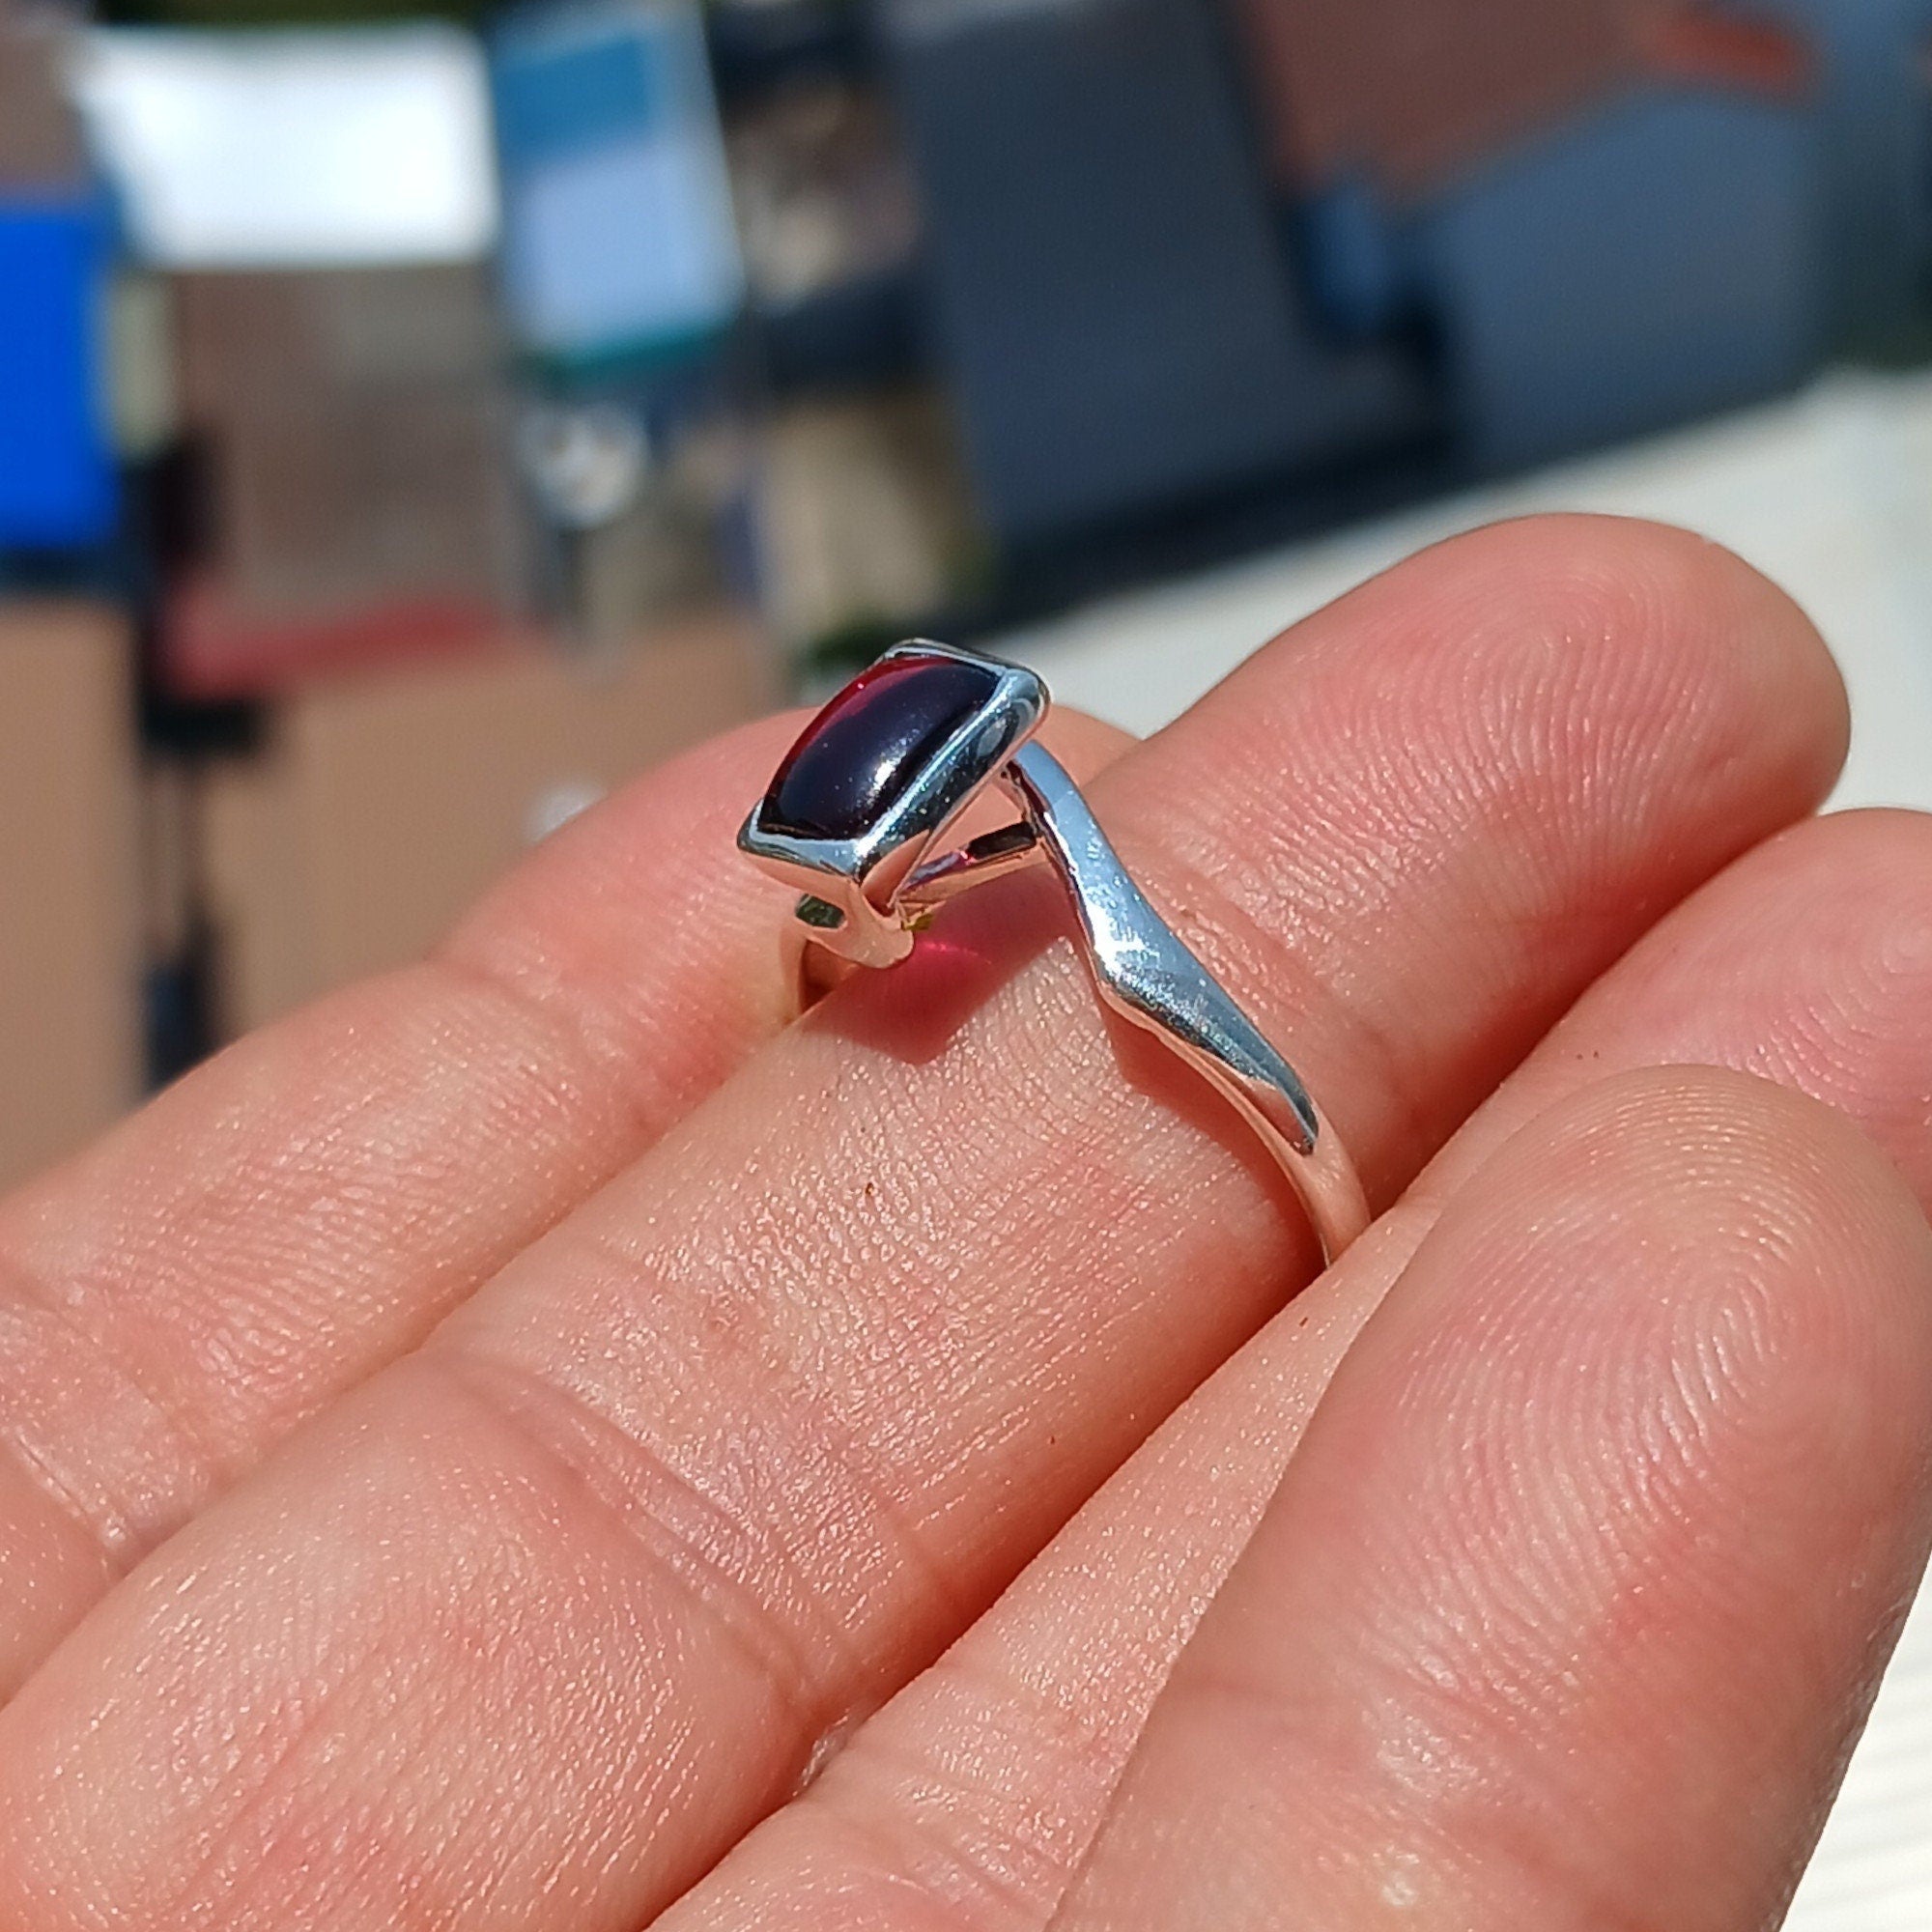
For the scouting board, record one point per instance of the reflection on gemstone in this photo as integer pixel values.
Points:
(860, 753)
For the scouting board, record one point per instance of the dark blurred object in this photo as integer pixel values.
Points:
(1875, 117)
(178, 950)
(1120, 322)
(762, 46)
(353, 432)
(70, 974)
(381, 806)
(860, 334)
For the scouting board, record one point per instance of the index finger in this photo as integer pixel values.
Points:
(309, 1204)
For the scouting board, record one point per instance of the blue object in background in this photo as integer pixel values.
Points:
(619, 242)
(1647, 262)
(1876, 112)
(57, 478)
(1361, 277)
(1122, 327)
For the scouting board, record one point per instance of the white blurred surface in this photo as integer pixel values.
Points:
(292, 149)
(1830, 494)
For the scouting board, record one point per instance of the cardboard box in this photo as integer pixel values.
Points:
(71, 1034)
(381, 807)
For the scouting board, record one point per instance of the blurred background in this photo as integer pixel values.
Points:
(415, 419)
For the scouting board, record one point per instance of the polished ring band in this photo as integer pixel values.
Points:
(855, 819)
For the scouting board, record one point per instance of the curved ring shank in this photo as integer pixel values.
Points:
(1146, 973)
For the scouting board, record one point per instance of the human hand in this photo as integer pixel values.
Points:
(531, 1445)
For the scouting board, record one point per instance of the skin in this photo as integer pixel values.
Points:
(312, 1203)
(533, 1444)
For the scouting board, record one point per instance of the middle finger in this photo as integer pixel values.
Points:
(538, 1623)
(974, 1796)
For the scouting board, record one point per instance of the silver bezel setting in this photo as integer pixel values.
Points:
(861, 877)
(865, 899)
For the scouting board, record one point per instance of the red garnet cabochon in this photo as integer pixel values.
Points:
(856, 758)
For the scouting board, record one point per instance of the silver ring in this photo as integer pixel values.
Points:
(856, 819)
